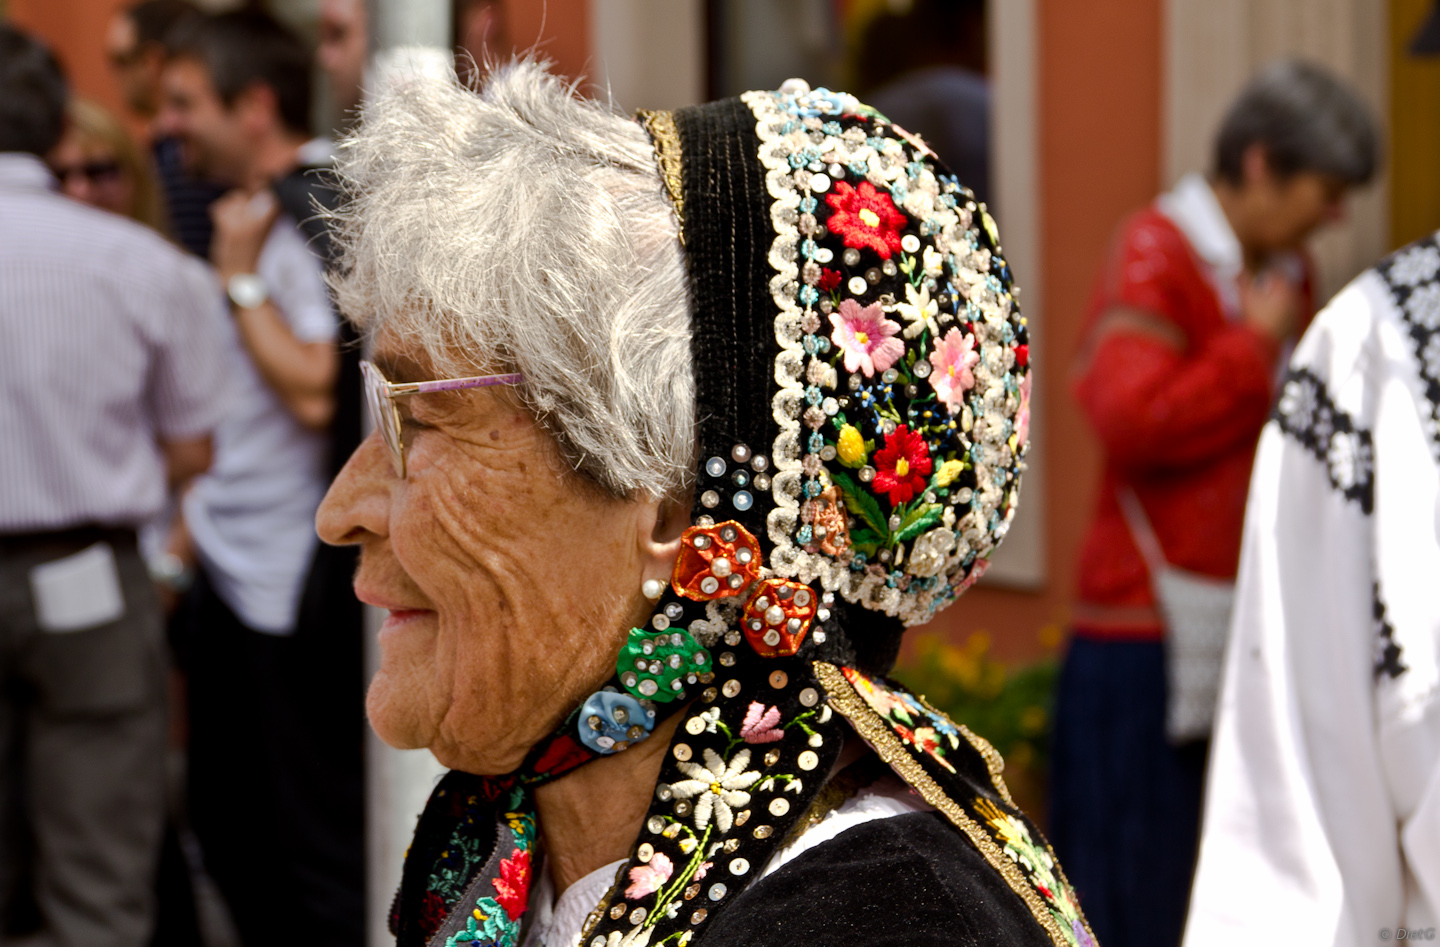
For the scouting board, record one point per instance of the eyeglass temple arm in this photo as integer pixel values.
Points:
(450, 384)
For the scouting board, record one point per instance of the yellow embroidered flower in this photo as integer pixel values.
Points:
(948, 472)
(851, 447)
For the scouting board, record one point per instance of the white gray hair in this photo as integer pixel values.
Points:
(519, 227)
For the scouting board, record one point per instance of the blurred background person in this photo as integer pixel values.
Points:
(97, 163)
(276, 777)
(343, 51)
(1322, 804)
(135, 44)
(108, 394)
(938, 88)
(1190, 317)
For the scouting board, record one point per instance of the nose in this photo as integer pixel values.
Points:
(356, 508)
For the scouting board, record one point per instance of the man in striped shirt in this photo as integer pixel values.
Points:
(111, 380)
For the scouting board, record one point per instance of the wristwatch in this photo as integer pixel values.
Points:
(247, 290)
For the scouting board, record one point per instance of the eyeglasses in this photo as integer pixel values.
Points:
(380, 394)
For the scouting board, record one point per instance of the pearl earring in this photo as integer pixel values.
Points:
(653, 588)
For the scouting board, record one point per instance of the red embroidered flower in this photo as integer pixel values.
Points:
(1022, 355)
(902, 465)
(829, 280)
(865, 218)
(432, 913)
(512, 888)
(562, 756)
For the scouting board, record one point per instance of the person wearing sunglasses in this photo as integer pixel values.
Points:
(97, 163)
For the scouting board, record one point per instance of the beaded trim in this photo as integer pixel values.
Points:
(947, 541)
(881, 736)
(661, 126)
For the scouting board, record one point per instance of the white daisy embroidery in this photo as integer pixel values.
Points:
(718, 789)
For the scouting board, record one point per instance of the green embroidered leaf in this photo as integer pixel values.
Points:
(860, 502)
(920, 519)
(864, 540)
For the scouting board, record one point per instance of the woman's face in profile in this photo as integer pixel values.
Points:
(509, 582)
(91, 173)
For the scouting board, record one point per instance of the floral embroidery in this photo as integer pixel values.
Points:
(865, 218)
(916, 330)
(935, 734)
(1307, 413)
(495, 921)
(952, 360)
(1039, 865)
(1413, 278)
(864, 335)
(512, 888)
(650, 877)
(902, 465)
(759, 725)
(718, 788)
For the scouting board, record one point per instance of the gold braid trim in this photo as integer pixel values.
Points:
(993, 760)
(870, 725)
(661, 126)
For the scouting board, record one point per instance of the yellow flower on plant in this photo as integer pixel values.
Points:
(851, 447)
(948, 472)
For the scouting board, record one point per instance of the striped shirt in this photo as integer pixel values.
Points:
(108, 343)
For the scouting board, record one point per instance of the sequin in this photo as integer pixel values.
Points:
(807, 760)
(682, 752)
(779, 806)
(710, 499)
(739, 866)
(731, 688)
(809, 697)
(717, 892)
(779, 679)
(715, 466)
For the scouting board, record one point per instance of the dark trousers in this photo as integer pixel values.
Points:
(82, 756)
(1125, 803)
(276, 775)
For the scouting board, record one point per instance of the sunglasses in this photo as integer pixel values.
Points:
(96, 172)
(380, 394)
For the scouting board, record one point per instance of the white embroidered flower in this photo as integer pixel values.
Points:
(1298, 403)
(934, 262)
(1349, 460)
(1415, 266)
(1424, 306)
(928, 556)
(716, 787)
(919, 310)
(711, 718)
(1430, 356)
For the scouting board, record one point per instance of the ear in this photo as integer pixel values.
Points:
(1255, 165)
(660, 526)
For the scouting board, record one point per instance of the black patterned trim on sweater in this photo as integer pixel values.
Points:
(1413, 277)
(1387, 652)
(1307, 413)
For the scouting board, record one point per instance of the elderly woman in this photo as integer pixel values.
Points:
(681, 421)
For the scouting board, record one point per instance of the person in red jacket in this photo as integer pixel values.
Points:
(1191, 319)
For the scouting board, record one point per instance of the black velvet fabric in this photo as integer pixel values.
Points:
(909, 880)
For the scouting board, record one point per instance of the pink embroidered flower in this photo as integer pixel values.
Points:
(759, 725)
(512, 888)
(1022, 416)
(865, 218)
(648, 879)
(953, 359)
(866, 337)
(704, 867)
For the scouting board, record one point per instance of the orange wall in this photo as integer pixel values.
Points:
(75, 30)
(1099, 112)
(557, 29)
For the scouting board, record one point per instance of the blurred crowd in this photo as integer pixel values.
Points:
(181, 704)
(181, 685)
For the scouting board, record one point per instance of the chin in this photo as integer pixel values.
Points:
(395, 720)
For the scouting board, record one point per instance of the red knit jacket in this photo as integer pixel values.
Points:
(1179, 426)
